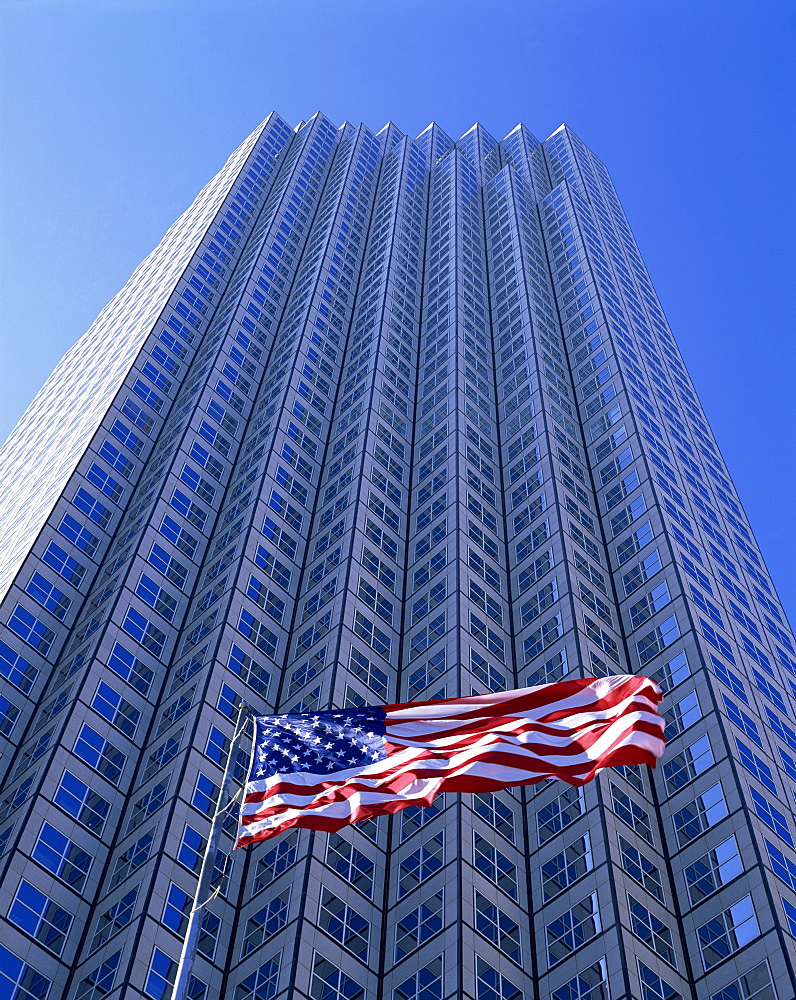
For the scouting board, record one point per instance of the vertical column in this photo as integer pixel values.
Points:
(320, 620)
(82, 751)
(724, 624)
(552, 529)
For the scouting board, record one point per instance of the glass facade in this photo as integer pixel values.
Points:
(386, 419)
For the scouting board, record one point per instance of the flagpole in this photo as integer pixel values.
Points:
(188, 954)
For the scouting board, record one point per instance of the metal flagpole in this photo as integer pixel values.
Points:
(188, 954)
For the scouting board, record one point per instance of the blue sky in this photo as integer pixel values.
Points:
(117, 111)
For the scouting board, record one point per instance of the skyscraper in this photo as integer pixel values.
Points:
(386, 419)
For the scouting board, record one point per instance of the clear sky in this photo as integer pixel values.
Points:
(116, 112)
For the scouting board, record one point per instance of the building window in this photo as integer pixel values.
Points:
(790, 915)
(753, 985)
(657, 640)
(114, 919)
(564, 869)
(703, 812)
(117, 710)
(484, 671)
(160, 978)
(641, 869)
(81, 537)
(265, 923)
(138, 627)
(495, 866)
(713, 870)
(685, 766)
(176, 909)
(491, 985)
(209, 929)
(20, 981)
(85, 805)
(344, 924)
(261, 984)
(421, 865)
(590, 984)
(771, 816)
(350, 864)
(276, 861)
(572, 929)
(131, 669)
(497, 927)
(652, 931)
(368, 672)
(672, 673)
(31, 630)
(191, 849)
(43, 919)
(136, 855)
(728, 932)
(418, 926)
(100, 982)
(425, 984)
(248, 670)
(205, 795)
(682, 714)
(655, 988)
(630, 812)
(491, 809)
(48, 596)
(90, 506)
(62, 857)
(331, 983)
(8, 716)
(98, 753)
(558, 814)
(16, 669)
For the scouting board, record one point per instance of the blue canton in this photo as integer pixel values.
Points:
(320, 743)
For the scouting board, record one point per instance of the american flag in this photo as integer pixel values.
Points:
(325, 770)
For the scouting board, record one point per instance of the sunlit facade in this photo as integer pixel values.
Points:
(386, 419)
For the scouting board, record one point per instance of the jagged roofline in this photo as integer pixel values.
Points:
(432, 133)
(391, 127)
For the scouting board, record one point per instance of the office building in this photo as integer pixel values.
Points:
(385, 419)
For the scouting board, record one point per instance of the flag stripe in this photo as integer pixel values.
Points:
(568, 730)
(545, 764)
(354, 802)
